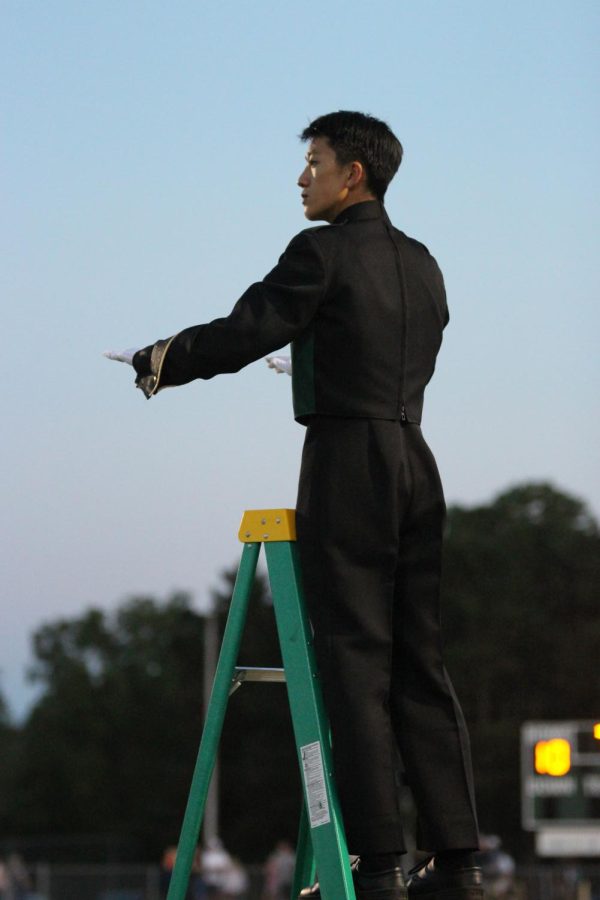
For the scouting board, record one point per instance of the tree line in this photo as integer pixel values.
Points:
(108, 748)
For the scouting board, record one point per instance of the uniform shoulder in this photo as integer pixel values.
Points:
(317, 239)
(419, 251)
(418, 246)
(307, 237)
(316, 231)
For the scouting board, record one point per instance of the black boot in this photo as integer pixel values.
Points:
(446, 877)
(385, 884)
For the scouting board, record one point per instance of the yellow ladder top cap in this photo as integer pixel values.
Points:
(264, 525)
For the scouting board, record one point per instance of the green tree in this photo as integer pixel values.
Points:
(8, 742)
(107, 747)
(522, 630)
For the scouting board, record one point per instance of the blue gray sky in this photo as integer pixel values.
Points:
(149, 165)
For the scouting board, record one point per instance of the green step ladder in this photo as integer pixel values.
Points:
(321, 841)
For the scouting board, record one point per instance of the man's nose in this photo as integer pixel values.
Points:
(303, 178)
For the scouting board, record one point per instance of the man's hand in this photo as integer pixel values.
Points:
(280, 364)
(125, 356)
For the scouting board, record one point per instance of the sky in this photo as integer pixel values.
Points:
(149, 158)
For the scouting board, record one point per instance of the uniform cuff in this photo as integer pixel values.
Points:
(148, 363)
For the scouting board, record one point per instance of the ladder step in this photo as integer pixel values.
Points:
(254, 673)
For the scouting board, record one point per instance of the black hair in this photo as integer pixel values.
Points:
(357, 136)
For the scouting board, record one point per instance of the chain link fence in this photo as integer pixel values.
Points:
(129, 882)
(559, 882)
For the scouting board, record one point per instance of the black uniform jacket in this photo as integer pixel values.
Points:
(363, 305)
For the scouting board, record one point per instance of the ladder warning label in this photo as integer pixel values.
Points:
(314, 782)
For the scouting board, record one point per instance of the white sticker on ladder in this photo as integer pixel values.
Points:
(314, 782)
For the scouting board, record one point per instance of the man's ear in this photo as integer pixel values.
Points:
(357, 175)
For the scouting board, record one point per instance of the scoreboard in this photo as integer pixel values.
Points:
(560, 774)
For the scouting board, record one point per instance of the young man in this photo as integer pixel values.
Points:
(364, 308)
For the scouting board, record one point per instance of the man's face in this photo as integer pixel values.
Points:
(324, 182)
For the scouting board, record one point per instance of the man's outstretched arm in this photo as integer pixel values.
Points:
(269, 315)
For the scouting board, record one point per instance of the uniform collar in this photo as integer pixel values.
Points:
(368, 209)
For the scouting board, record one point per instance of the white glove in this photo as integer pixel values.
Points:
(125, 356)
(280, 364)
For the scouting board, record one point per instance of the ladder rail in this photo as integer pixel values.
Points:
(310, 723)
(213, 724)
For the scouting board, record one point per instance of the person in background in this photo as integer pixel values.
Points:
(167, 864)
(279, 872)
(3, 880)
(18, 878)
(215, 864)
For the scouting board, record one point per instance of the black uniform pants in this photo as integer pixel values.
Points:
(370, 516)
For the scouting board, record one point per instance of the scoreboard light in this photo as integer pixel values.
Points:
(560, 774)
(553, 757)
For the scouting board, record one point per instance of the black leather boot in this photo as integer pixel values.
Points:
(388, 884)
(439, 882)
